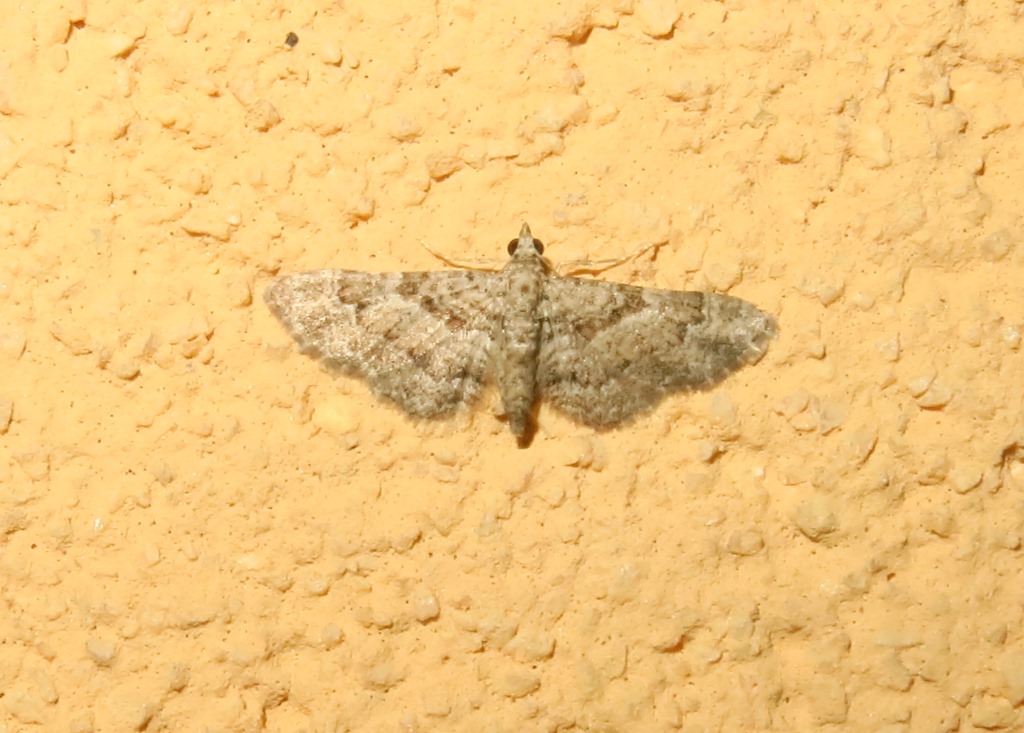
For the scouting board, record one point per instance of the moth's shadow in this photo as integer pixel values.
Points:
(526, 439)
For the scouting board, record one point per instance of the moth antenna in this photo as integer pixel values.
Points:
(595, 267)
(477, 263)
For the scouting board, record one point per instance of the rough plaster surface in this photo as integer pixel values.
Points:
(200, 530)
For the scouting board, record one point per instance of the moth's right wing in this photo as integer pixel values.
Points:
(611, 351)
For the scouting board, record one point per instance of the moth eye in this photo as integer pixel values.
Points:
(512, 246)
(539, 246)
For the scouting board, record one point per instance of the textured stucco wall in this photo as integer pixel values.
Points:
(200, 529)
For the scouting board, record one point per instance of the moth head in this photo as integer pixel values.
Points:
(525, 244)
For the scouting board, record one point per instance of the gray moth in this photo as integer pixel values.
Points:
(600, 352)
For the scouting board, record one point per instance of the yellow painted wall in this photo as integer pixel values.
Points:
(202, 530)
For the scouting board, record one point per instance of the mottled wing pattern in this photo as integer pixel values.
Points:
(419, 339)
(610, 351)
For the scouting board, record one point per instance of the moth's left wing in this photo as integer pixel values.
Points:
(419, 339)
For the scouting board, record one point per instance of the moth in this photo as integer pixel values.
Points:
(600, 352)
